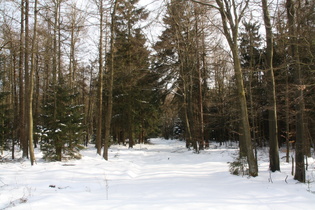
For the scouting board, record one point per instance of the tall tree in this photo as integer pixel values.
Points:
(181, 56)
(231, 13)
(300, 105)
(31, 87)
(272, 111)
(26, 77)
(130, 64)
(109, 110)
(22, 134)
(100, 79)
(62, 123)
(251, 61)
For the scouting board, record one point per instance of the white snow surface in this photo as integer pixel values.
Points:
(161, 175)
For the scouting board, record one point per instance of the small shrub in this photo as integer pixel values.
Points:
(239, 167)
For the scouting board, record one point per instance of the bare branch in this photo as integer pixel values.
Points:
(1, 47)
(205, 4)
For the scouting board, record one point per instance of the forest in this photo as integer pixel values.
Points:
(74, 73)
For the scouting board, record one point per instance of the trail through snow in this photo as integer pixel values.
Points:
(161, 175)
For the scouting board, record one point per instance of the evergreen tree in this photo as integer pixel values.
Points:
(6, 117)
(132, 89)
(179, 60)
(61, 138)
(5, 122)
(251, 58)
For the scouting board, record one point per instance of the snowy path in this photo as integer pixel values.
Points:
(163, 175)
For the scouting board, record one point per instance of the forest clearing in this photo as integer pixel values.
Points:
(233, 80)
(160, 175)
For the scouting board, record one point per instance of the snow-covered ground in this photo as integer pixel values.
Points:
(161, 175)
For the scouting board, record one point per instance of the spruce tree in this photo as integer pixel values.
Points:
(179, 60)
(5, 121)
(131, 65)
(61, 138)
(6, 117)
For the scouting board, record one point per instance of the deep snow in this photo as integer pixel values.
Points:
(161, 175)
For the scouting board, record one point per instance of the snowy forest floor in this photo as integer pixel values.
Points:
(161, 175)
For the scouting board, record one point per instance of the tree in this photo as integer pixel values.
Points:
(31, 87)
(129, 59)
(100, 80)
(251, 61)
(272, 112)
(231, 13)
(180, 55)
(62, 124)
(4, 119)
(110, 81)
(22, 134)
(300, 105)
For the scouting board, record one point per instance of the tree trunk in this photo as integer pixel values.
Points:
(253, 168)
(31, 87)
(231, 33)
(108, 118)
(272, 112)
(231, 14)
(199, 81)
(300, 130)
(100, 85)
(21, 83)
(55, 55)
(287, 117)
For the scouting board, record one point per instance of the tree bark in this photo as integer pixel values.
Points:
(100, 85)
(231, 34)
(300, 106)
(27, 81)
(21, 83)
(272, 112)
(108, 118)
(200, 79)
(231, 15)
(31, 87)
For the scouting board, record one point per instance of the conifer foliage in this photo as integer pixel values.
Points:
(134, 81)
(62, 127)
(6, 121)
(208, 74)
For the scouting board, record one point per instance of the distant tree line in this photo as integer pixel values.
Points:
(70, 76)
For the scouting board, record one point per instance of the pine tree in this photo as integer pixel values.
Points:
(131, 65)
(250, 41)
(61, 138)
(5, 121)
(179, 60)
(6, 117)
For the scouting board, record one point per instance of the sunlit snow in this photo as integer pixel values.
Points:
(161, 175)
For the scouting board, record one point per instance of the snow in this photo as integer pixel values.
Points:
(161, 175)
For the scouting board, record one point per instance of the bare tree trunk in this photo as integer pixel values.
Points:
(57, 70)
(287, 117)
(71, 64)
(200, 90)
(15, 105)
(300, 106)
(231, 14)
(231, 33)
(272, 112)
(31, 87)
(21, 83)
(27, 81)
(108, 118)
(90, 109)
(100, 85)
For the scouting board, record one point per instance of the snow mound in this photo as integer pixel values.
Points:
(160, 175)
